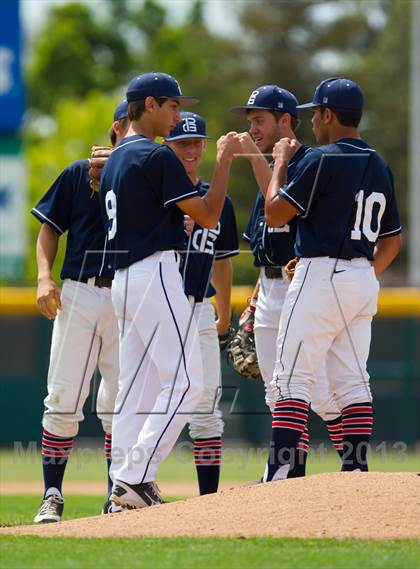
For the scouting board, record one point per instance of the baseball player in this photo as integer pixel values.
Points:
(146, 192)
(272, 114)
(207, 256)
(85, 332)
(347, 234)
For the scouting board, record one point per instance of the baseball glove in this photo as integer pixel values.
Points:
(290, 268)
(97, 161)
(225, 339)
(241, 350)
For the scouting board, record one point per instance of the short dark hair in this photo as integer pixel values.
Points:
(346, 117)
(294, 122)
(113, 135)
(137, 108)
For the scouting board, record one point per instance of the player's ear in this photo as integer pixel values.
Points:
(328, 116)
(150, 103)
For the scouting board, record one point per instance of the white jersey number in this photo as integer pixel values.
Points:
(367, 205)
(111, 210)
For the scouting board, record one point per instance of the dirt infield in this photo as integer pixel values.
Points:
(336, 505)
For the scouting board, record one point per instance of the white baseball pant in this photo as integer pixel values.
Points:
(327, 317)
(207, 420)
(85, 335)
(271, 297)
(161, 376)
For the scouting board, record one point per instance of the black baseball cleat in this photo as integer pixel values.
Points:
(135, 496)
(111, 508)
(50, 510)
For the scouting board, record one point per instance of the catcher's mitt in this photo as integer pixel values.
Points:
(241, 350)
(97, 161)
(225, 339)
(290, 268)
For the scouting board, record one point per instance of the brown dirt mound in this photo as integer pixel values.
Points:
(338, 505)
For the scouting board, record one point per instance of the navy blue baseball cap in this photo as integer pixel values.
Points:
(121, 111)
(337, 93)
(158, 85)
(191, 125)
(270, 98)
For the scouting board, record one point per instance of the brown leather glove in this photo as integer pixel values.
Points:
(97, 161)
(241, 351)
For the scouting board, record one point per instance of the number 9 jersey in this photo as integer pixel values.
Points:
(345, 196)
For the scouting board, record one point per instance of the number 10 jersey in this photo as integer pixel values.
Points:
(345, 196)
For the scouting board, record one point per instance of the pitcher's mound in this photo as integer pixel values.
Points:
(338, 505)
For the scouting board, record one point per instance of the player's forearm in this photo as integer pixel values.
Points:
(262, 172)
(256, 290)
(222, 282)
(46, 251)
(274, 214)
(385, 252)
(214, 198)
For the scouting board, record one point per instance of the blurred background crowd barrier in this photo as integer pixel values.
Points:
(394, 366)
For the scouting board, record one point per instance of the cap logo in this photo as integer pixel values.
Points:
(189, 124)
(252, 97)
(280, 105)
(325, 99)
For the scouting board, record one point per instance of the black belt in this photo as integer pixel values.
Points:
(273, 272)
(100, 282)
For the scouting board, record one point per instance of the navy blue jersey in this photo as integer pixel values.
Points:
(345, 196)
(141, 185)
(70, 205)
(206, 245)
(272, 245)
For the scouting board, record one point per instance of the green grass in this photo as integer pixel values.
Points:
(20, 510)
(239, 464)
(34, 552)
(17, 510)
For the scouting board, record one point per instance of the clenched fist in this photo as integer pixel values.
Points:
(285, 149)
(248, 147)
(227, 146)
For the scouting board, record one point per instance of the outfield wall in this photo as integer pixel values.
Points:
(394, 366)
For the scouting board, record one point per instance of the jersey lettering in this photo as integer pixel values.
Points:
(283, 229)
(111, 210)
(371, 200)
(203, 239)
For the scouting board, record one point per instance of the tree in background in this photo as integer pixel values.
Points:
(73, 54)
(294, 44)
(384, 74)
(78, 126)
(64, 84)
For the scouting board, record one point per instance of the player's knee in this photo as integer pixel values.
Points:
(292, 387)
(60, 426)
(206, 427)
(357, 392)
